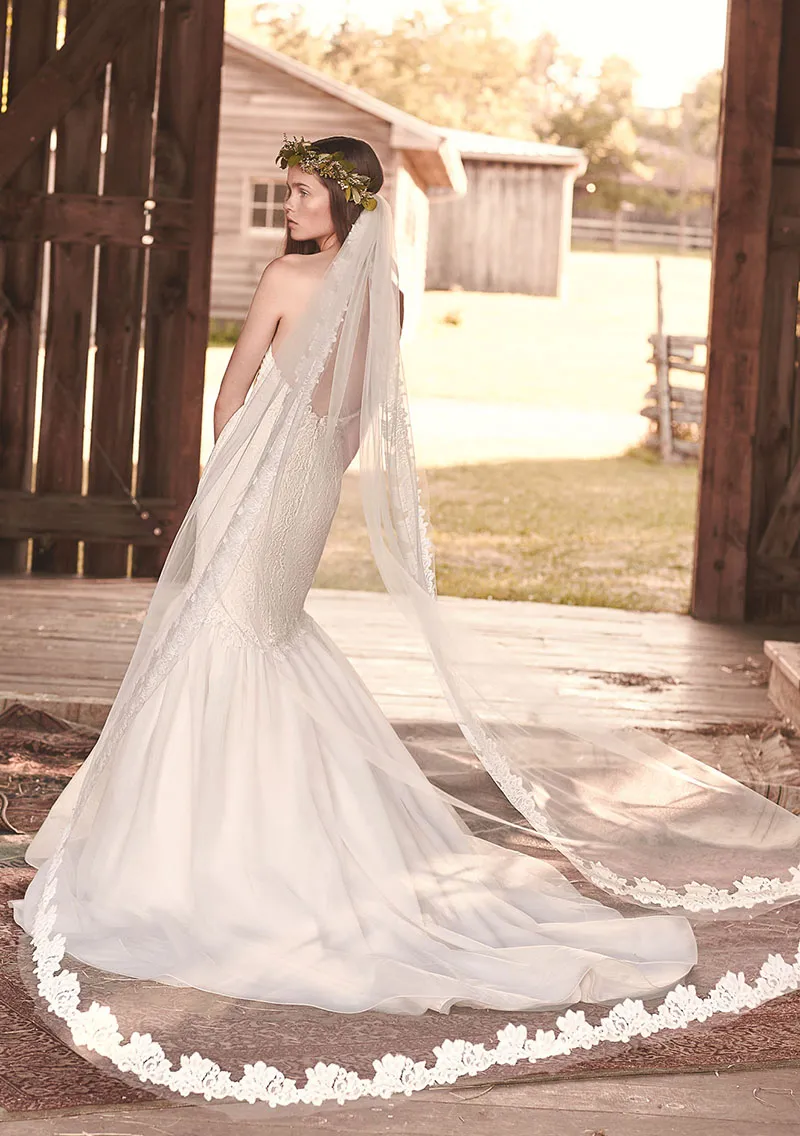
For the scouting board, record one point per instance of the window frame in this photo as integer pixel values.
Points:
(268, 231)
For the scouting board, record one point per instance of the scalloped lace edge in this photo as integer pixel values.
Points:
(96, 1028)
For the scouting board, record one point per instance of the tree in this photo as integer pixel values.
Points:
(701, 108)
(457, 71)
(462, 71)
(599, 121)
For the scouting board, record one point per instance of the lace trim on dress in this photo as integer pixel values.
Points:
(97, 1029)
(745, 893)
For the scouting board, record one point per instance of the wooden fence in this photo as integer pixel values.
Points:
(676, 413)
(619, 233)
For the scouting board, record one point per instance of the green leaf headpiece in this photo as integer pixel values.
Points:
(298, 152)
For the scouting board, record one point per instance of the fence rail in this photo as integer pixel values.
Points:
(619, 233)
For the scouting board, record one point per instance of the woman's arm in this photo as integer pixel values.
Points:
(257, 333)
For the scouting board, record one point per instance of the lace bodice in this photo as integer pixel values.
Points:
(262, 603)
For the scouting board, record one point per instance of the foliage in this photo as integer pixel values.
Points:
(457, 71)
(701, 113)
(300, 152)
(600, 122)
(462, 70)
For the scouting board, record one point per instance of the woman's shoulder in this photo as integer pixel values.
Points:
(288, 274)
(292, 262)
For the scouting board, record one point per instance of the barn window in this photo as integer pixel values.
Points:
(266, 204)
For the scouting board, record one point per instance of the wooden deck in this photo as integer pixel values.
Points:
(65, 643)
(757, 1103)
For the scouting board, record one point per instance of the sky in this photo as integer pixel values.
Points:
(670, 45)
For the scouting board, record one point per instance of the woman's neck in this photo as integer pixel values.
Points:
(329, 243)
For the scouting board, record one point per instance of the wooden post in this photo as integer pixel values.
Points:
(179, 283)
(774, 569)
(69, 307)
(739, 265)
(662, 375)
(32, 45)
(683, 243)
(616, 232)
(120, 290)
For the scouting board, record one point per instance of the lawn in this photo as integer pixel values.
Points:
(585, 351)
(616, 532)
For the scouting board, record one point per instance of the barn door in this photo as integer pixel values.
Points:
(108, 142)
(774, 578)
(747, 556)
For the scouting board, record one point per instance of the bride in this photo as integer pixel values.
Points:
(250, 824)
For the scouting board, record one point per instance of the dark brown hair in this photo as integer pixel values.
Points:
(344, 213)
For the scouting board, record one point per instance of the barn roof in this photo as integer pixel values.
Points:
(434, 156)
(472, 144)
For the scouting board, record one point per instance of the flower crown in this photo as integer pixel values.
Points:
(298, 152)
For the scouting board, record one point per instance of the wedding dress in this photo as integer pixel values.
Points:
(250, 824)
(241, 848)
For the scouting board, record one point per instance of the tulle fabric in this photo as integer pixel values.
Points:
(295, 870)
(248, 823)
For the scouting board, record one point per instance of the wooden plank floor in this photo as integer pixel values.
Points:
(69, 640)
(758, 1103)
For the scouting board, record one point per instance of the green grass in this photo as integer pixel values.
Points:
(585, 351)
(611, 533)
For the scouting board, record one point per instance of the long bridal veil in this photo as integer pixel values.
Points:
(638, 819)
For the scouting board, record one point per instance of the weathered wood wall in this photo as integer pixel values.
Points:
(746, 562)
(179, 279)
(94, 240)
(508, 234)
(31, 46)
(774, 561)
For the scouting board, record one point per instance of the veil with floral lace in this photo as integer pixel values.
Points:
(638, 819)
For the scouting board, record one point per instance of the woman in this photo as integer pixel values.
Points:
(250, 824)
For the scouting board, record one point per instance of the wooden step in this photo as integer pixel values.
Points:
(784, 677)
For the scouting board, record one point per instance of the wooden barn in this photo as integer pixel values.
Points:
(266, 94)
(107, 248)
(511, 231)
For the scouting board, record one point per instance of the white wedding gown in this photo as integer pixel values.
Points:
(245, 843)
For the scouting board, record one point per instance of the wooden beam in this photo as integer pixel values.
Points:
(686, 395)
(664, 402)
(785, 232)
(783, 530)
(86, 218)
(32, 43)
(774, 519)
(739, 266)
(678, 415)
(63, 79)
(121, 282)
(62, 516)
(771, 574)
(59, 465)
(180, 282)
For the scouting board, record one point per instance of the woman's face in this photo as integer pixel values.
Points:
(307, 206)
